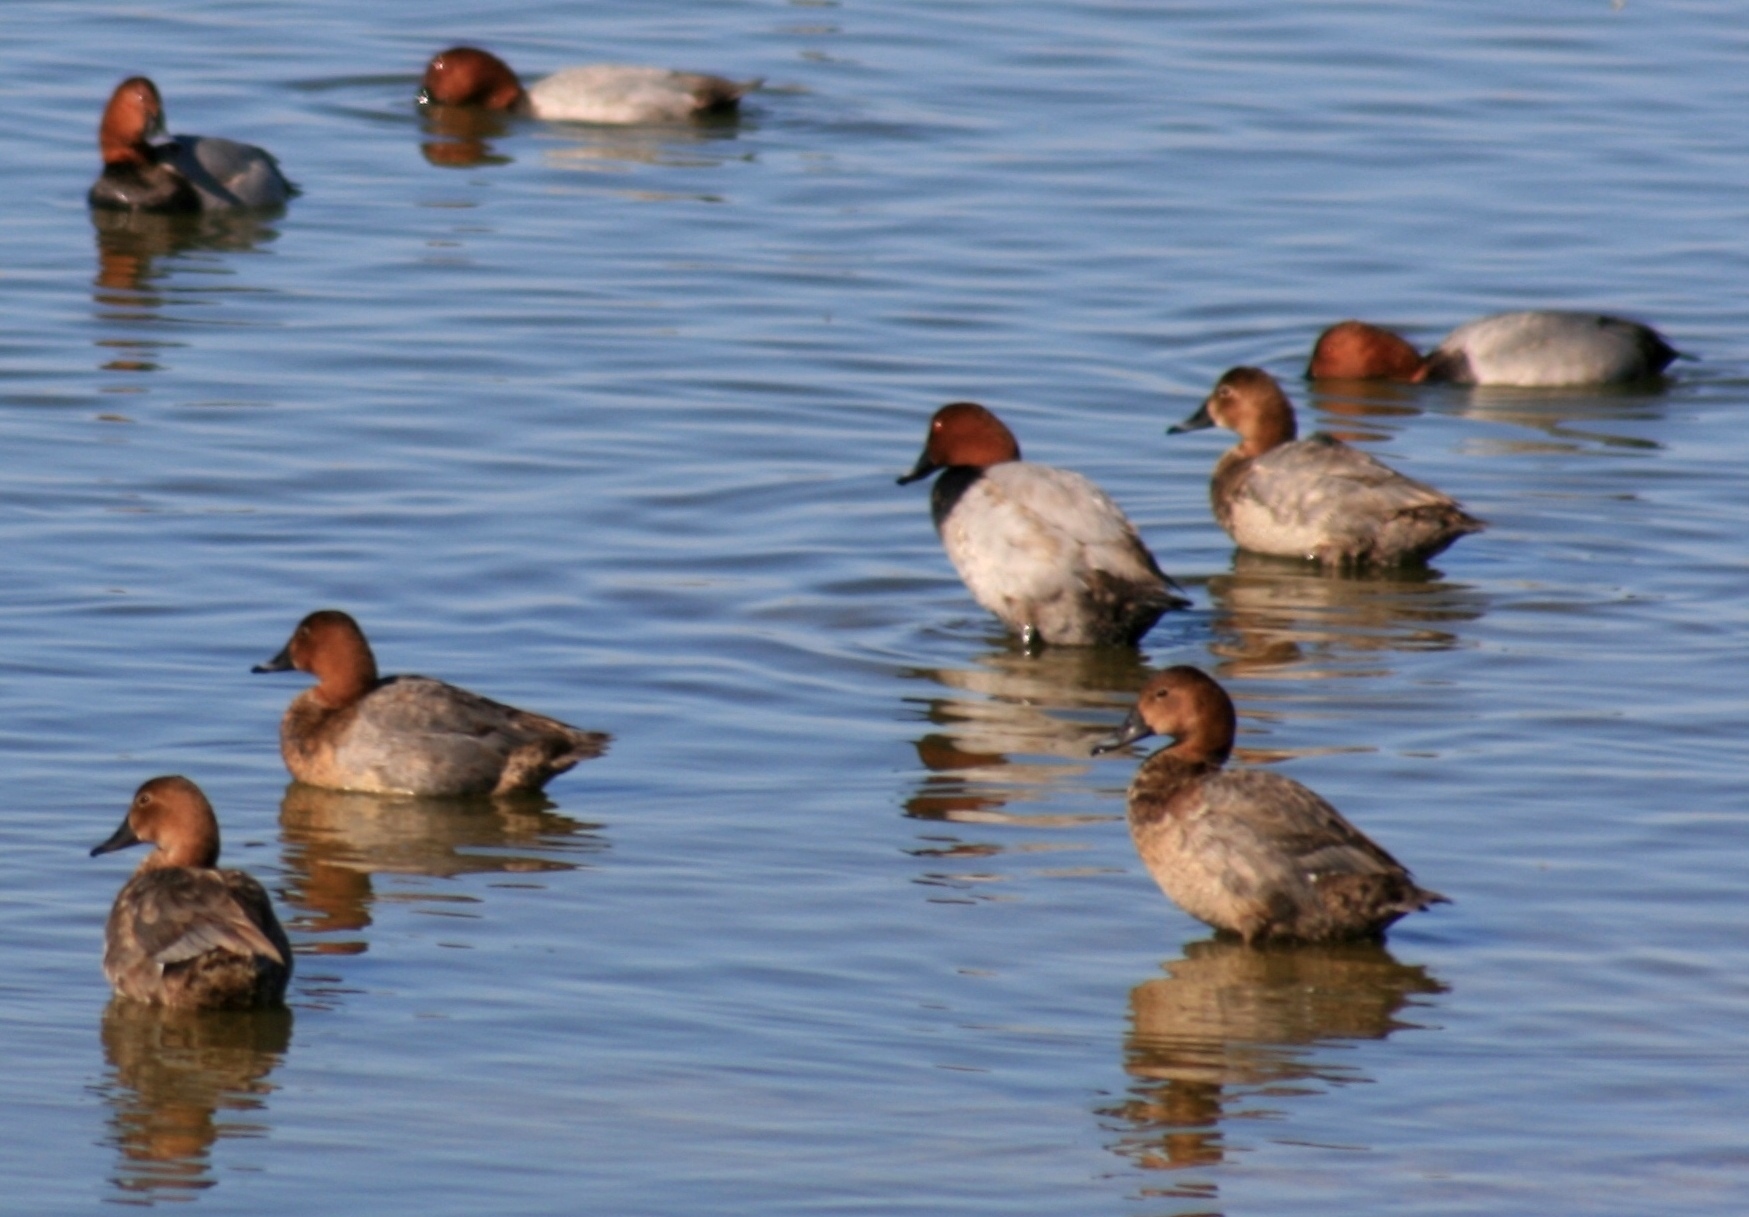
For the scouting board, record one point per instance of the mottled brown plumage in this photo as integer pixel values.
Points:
(409, 734)
(1252, 853)
(183, 933)
(1315, 498)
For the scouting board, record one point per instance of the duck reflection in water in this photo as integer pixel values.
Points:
(1275, 613)
(181, 1080)
(336, 842)
(461, 137)
(1009, 732)
(132, 247)
(1232, 1033)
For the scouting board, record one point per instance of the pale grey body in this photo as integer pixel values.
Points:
(620, 93)
(1548, 349)
(1259, 855)
(1321, 499)
(195, 937)
(419, 736)
(1050, 554)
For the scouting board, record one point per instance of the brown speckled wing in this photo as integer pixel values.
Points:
(179, 913)
(1286, 818)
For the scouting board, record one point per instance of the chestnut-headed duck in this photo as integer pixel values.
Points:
(594, 93)
(409, 735)
(1042, 548)
(1315, 498)
(187, 173)
(182, 932)
(1545, 349)
(1251, 853)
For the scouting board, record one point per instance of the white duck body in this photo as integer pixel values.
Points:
(621, 93)
(225, 173)
(1548, 349)
(1321, 499)
(1049, 553)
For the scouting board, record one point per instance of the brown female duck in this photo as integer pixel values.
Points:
(1251, 853)
(1315, 498)
(183, 933)
(409, 734)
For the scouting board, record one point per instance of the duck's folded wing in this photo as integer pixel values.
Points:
(181, 914)
(1284, 819)
(1323, 481)
(405, 706)
(1080, 519)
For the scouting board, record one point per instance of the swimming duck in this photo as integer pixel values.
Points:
(1315, 498)
(408, 734)
(1042, 548)
(189, 173)
(1251, 853)
(595, 93)
(182, 932)
(1542, 349)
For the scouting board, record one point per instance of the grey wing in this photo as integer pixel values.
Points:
(1082, 517)
(1323, 483)
(1277, 817)
(230, 174)
(181, 914)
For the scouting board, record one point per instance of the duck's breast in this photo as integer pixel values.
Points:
(622, 93)
(226, 173)
(1550, 349)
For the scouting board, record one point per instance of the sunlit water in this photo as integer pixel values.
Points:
(605, 423)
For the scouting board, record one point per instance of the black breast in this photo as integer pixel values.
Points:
(949, 488)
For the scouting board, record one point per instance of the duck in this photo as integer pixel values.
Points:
(1538, 349)
(183, 933)
(1315, 498)
(1044, 549)
(593, 93)
(409, 735)
(1253, 854)
(189, 173)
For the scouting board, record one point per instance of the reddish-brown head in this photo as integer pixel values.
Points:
(329, 646)
(964, 433)
(1185, 705)
(135, 114)
(172, 814)
(1354, 350)
(1247, 401)
(468, 76)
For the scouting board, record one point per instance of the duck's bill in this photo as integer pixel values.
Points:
(120, 839)
(922, 469)
(1196, 422)
(281, 662)
(1132, 730)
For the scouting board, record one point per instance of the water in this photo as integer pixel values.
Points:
(605, 424)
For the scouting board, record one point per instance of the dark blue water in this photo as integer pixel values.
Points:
(606, 424)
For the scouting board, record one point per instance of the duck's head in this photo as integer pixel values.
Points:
(133, 117)
(964, 433)
(468, 76)
(1247, 401)
(1355, 350)
(1188, 707)
(172, 814)
(329, 646)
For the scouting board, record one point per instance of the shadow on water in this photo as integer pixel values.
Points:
(337, 842)
(461, 137)
(135, 255)
(1233, 1033)
(1014, 730)
(181, 1080)
(1013, 706)
(1272, 614)
(1572, 420)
